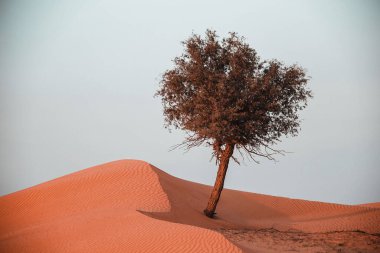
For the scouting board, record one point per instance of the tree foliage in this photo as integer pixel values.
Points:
(220, 92)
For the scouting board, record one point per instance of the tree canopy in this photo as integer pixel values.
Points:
(220, 92)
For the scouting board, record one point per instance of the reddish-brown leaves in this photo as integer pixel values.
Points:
(220, 92)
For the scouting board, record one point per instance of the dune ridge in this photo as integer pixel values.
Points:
(132, 206)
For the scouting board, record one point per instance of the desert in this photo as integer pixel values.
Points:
(189, 126)
(132, 206)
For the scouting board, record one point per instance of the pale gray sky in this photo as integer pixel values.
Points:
(77, 80)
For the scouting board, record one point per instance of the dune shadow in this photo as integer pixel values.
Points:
(236, 209)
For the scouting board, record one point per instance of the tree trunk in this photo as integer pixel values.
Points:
(219, 181)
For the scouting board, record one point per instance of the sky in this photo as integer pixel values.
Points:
(77, 80)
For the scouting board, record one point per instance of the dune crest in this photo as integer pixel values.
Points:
(372, 205)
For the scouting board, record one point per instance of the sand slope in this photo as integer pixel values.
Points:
(95, 210)
(131, 206)
(238, 209)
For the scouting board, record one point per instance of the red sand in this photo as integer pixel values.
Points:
(131, 206)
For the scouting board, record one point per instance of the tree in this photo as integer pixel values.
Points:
(223, 96)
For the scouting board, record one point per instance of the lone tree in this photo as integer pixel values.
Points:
(223, 96)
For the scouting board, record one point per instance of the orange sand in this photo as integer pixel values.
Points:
(131, 206)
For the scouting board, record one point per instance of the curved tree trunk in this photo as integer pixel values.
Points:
(219, 181)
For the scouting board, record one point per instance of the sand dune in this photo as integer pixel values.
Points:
(249, 210)
(373, 205)
(96, 210)
(131, 206)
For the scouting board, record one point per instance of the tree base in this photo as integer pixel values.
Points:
(209, 213)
